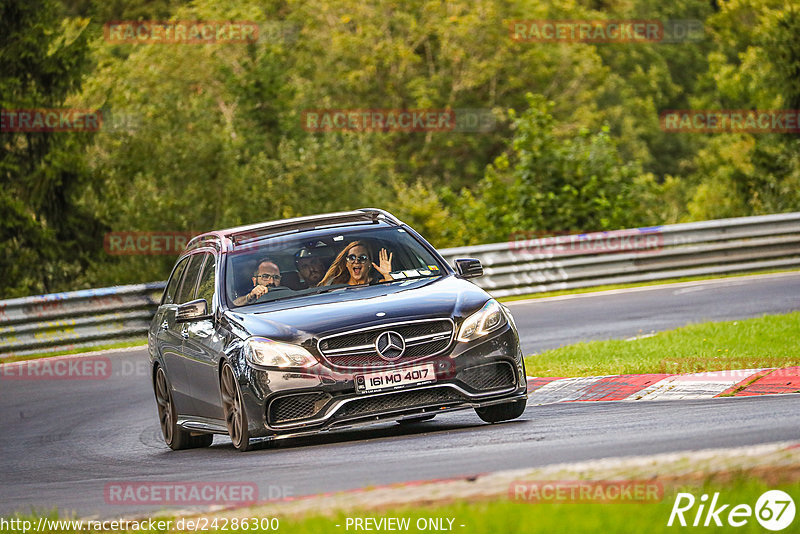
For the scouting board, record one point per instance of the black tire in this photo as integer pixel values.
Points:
(502, 412)
(175, 437)
(233, 406)
(416, 420)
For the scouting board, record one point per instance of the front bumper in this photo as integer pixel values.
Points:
(468, 375)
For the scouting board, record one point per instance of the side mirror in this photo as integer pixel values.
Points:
(192, 311)
(468, 267)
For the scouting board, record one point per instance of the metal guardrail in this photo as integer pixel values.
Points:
(520, 266)
(723, 246)
(63, 321)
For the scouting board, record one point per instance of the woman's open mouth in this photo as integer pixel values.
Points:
(357, 271)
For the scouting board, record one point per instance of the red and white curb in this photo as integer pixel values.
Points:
(739, 383)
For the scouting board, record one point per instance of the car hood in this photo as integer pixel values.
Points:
(359, 307)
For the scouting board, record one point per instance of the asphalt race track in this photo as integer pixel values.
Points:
(63, 441)
(553, 322)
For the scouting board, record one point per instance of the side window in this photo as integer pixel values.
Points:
(187, 290)
(206, 288)
(172, 285)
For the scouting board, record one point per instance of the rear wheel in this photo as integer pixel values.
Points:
(175, 437)
(502, 412)
(235, 415)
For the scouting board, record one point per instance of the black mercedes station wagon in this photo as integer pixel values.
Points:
(299, 326)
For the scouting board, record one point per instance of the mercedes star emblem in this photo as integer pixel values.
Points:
(390, 345)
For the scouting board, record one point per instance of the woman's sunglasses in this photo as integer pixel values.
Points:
(352, 258)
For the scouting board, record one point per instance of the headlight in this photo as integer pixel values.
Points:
(483, 321)
(268, 353)
(509, 316)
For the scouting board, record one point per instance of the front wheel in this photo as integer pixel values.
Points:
(502, 412)
(233, 406)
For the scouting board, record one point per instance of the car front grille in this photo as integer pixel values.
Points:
(294, 407)
(374, 405)
(490, 376)
(357, 349)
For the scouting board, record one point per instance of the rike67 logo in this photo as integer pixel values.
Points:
(774, 510)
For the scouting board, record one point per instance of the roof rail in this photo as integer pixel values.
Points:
(257, 232)
(203, 240)
(379, 213)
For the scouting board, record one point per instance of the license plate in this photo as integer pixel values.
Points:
(395, 378)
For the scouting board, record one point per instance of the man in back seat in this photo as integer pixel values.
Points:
(310, 267)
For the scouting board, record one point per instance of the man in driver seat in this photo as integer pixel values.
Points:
(266, 275)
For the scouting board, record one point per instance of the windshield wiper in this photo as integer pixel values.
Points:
(409, 278)
(328, 289)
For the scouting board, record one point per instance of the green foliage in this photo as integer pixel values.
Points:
(756, 66)
(427, 211)
(118, 10)
(556, 183)
(47, 236)
(209, 136)
(198, 149)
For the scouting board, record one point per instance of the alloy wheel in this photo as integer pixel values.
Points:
(235, 417)
(165, 408)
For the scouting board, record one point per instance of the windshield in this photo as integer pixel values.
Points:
(308, 263)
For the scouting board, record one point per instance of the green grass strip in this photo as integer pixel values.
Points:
(78, 350)
(509, 515)
(768, 341)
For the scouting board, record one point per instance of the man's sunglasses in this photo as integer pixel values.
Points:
(266, 277)
(352, 258)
